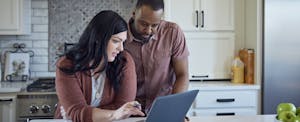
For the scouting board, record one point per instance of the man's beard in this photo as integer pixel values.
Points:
(139, 36)
(145, 40)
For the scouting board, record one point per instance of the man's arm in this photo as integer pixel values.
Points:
(182, 75)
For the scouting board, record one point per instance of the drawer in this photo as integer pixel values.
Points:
(225, 112)
(225, 99)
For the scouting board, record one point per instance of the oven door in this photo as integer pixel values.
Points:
(40, 105)
(7, 108)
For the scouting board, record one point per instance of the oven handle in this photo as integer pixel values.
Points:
(6, 100)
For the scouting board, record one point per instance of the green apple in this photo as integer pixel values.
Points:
(296, 119)
(286, 116)
(286, 107)
(298, 111)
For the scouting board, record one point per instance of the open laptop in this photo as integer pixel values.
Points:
(171, 108)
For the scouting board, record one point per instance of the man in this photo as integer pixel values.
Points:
(160, 53)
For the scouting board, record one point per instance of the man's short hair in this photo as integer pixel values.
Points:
(154, 4)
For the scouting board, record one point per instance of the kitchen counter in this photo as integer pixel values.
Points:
(12, 87)
(254, 118)
(222, 85)
(19, 88)
(8, 87)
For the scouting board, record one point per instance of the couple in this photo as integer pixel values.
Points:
(97, 81)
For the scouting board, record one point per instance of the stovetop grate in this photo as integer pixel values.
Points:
(42, 85)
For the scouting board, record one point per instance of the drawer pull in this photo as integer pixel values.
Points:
(6, 100)
(225, 100)
(225, 114)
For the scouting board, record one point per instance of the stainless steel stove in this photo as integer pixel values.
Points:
(38, 101)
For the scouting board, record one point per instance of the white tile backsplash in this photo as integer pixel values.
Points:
(40, 28)
(40, 60)
(9, 43)
(44, 74)
(40, 51)
(40, 12)
(34, 36)
(39, 4)
(39, 67)
(40, 44)
(37, 41)
(40, 20)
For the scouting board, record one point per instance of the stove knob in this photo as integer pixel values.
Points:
(46, 108)
(33, 109)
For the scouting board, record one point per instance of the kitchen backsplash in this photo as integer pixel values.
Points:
(68, 19)
(54, 22)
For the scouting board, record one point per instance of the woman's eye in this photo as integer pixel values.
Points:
(115, 41)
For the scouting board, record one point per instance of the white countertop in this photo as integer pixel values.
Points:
(19, 87)
(253, 118)
(9, 87)
(222, 85)
(50, 120)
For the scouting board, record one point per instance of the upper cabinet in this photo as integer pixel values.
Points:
(209, 28)
(207, 15)
(15, 17)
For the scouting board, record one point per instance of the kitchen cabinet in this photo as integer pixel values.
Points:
(224, 98)
(7, 108)
(208, 26)
(15, 17)
(203, 15)
(210, 56)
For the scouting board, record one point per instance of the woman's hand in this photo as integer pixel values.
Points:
(128, 109)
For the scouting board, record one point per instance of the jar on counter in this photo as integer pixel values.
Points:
(247, 56)
(237, 69)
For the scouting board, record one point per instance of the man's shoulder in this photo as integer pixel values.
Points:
(169, 25)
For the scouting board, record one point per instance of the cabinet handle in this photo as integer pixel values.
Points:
(199, 76)
(225, 114)
(6, 100)
(202, 22)
(197, 14)
(225, 100)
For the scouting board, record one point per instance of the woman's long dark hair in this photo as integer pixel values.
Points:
(92, 47)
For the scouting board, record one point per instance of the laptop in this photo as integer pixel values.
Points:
(171, 108)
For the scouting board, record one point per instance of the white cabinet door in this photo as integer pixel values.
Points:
(217, 14)
(208, 26)
(210, 55)
(15, 17)
(7, 108)
(194, 15)
(9, 14)
(183, 12)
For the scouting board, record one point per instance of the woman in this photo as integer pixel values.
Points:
(95, 80)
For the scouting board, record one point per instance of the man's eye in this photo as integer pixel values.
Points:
(154, 26)
(144, 24)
